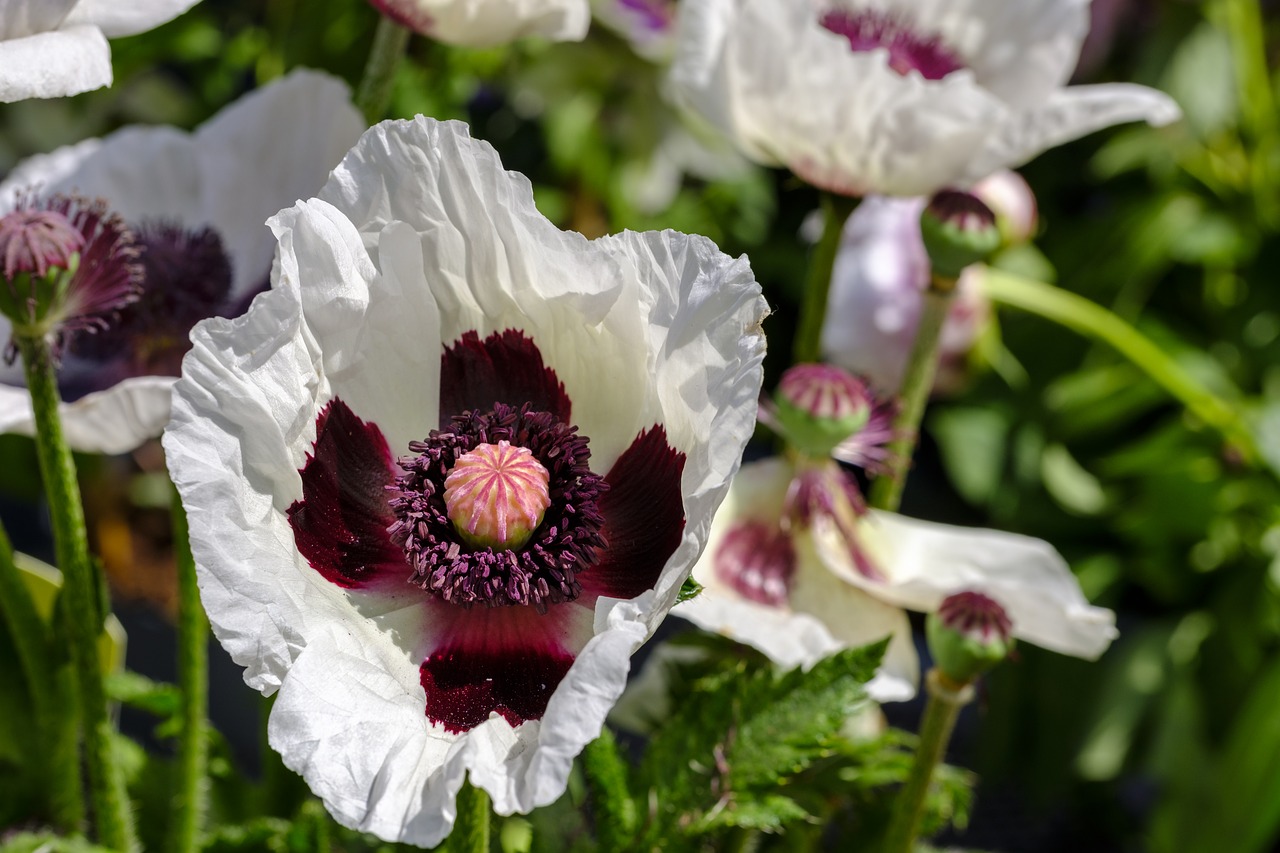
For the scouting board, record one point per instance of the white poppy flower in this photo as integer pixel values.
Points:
(877, 293)
(437, 376)
(897, 97)
(766, 586)
(52, 48)
(198, 202)
(486, 23)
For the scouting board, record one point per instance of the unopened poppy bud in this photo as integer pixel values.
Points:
(818, 406)
(1010, 198)
(968, 635)
(958, 230)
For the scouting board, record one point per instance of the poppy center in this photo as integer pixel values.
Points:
(908, 49)
(496, 495)
(500, 508)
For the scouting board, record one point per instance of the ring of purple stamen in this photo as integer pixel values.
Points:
(544, 570)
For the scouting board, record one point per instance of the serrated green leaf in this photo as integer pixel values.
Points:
(770, 813)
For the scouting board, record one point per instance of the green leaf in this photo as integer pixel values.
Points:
(138, 691)
(974, 445)
(740, 732)
(43, 842)
(688, 590)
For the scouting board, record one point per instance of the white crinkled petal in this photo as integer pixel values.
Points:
(116, 18)
(54, 64)
(21, 18)
(924, 562)
(263, 153)
(1065, 115)
(367, 285)
(825, 614)
(487, 23)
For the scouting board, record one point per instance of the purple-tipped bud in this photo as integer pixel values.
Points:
(968, 635)
(68, 265)
(33, 241)
(817, 406)
(958, 230)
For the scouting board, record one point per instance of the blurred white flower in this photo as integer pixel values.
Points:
(799, 588)
(486, 23)
(897, 97)
(765, 585)
(566, 416)
(198, 203)
(52, 48)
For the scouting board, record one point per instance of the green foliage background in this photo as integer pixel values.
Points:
(1174, 230)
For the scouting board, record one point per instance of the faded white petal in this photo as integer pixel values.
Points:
(53, 64)
(924, 562)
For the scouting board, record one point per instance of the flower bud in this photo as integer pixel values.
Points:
(817, 406)
(958, 230)
(968, 635)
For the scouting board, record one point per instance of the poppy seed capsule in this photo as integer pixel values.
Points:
(968, 634)
(496, 495)
(819, 405)
(958, 230)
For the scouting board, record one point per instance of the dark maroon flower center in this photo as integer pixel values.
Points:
(187, 278)
(758, 561)
(908, 49)
(448, 561)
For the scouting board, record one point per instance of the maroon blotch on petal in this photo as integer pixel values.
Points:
(505, 367)
(643, 517)
(340, 525)
(509, 660)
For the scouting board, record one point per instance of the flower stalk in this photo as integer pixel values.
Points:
(374, 93)
(83, 615)
(817, 285)
(942, 708)
(471, 831)
(1092, 320)
(190, 800)
(922, 366)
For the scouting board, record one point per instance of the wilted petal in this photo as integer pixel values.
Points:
(924, 562)
(485, 23)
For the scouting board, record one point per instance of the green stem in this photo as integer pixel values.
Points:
(946, 698)
(193, 678)
(471, 831)
(917, 382)
(83, 613)
(31, 641)
(817, 283)
(607, 778)
(1093, 321)
(374, 93)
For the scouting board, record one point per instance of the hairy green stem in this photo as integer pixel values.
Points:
(607, 778)
(83, 613)
(190, 799)
(374, 93)
(31, 640)
(817, 283)
(941, 709)
(917, 383)
(1092, 320)
(471, 831)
